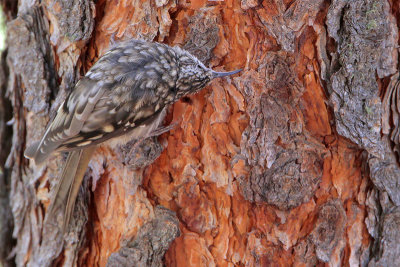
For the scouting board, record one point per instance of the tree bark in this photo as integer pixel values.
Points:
(292, 162)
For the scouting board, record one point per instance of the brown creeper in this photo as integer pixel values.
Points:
(127, 91)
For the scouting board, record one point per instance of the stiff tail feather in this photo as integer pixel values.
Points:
(39, 151)
(68, 187)
(31, 150)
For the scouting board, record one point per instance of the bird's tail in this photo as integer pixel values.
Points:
(68, 187)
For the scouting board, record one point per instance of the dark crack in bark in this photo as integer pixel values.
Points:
(6, 220)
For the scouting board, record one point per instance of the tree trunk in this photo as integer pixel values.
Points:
(292, 162)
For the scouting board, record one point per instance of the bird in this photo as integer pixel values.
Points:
(125, 93)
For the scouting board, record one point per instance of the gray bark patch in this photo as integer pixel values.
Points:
(75, 19)
(32, 59)
(366, 36)
(329, 229)
(150, 244)
(365, 33)
(389, 248)
(203, 34)
(289, 23)
(285, 161)
(385, 173)
(139, 156)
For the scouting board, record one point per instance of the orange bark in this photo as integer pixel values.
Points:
(258, 170)
(195, 175)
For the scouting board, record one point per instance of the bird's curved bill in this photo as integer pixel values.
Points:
(223, 74)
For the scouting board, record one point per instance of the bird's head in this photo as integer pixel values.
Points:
(193, 75)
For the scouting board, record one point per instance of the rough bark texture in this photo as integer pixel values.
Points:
(292, 162)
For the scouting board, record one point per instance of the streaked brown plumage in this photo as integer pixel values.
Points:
(127, 91)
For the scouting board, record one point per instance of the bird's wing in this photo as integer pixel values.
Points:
(81, 123)
(69, 120)
(115, 96)
(115, 115)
